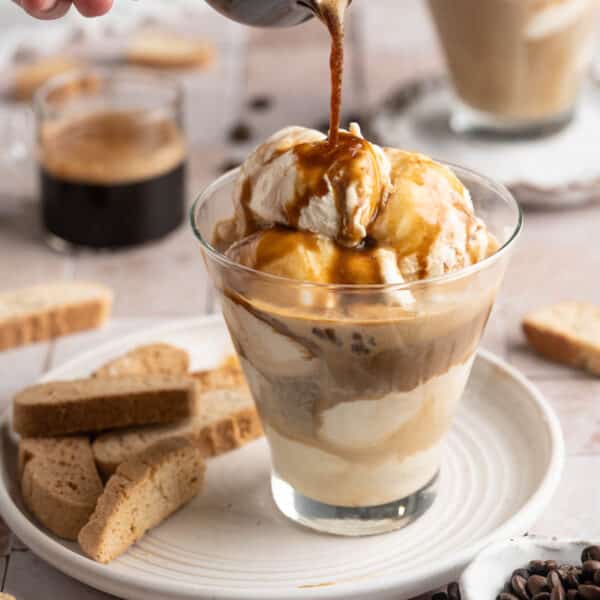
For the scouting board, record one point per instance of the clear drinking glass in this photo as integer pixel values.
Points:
(517, 66)
(357, 385)
(112, 154)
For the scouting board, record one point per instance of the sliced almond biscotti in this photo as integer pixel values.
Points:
(165, 50)
(144, 491)
(59, 483)
(567, 332)
(227, 419)
(87, 405)
(65, 449)
(47, 311)
(160, 359)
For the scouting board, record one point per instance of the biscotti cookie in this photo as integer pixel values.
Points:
(161, 359)
(567, 332)
(59, 483)
(165, 50)
(59, 449)
(88, 405)
(227, 419)
(30, 77)
(47, 311)
(144, 491)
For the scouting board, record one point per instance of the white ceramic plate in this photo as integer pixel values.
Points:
(503, 462)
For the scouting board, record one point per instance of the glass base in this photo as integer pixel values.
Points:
(349, 521)
(467, 120)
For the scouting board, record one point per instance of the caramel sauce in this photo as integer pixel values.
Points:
(279, 251)
(320, 162)
(245, 199)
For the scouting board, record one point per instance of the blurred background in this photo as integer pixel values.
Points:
(248, 83)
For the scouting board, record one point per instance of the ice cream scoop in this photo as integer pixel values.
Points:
(298, 180)
(355, 214)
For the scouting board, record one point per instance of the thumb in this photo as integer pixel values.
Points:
(45, 9)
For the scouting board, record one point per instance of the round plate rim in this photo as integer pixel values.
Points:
(96, 575)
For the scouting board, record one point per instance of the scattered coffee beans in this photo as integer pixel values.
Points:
(547, 580)
(452, 593)
(260, 103)
(240, 132)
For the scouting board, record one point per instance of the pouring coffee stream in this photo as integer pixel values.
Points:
(281, 13)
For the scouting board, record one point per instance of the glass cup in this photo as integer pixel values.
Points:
(356, 385)
(517, 66)
(111, 153)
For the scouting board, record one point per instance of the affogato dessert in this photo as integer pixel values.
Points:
(356, 282)
(356, 389)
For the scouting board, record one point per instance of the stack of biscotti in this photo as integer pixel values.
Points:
(144, 422)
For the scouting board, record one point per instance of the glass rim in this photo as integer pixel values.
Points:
(223, 260)
(129, 73)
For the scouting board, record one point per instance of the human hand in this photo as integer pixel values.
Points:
(53, 9)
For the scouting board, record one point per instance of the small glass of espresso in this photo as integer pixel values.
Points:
(112, 158)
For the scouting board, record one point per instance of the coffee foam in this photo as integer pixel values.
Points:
(111, 148)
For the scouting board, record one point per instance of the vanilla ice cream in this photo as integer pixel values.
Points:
(385, 216)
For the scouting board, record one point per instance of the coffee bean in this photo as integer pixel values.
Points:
(571, 581)
(536, 584)
(553, 580)
(563, 571)
(572, 595)
(589, 592)
(506, 596)
(589, 568)
(240, 132)
(538, 567)
(590, 553)
(519, 586)
(597, 577)
(558, 592)
(440, 596)
(453, 591)
(542, 596)
(260, 103)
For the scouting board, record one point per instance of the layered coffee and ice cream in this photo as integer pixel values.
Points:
(355, 374)
(521, 60)
(355, 281)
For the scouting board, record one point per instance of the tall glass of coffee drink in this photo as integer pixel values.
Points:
(112, 156)
(517, 66)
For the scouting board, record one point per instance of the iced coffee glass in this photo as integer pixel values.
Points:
(517, 66)
(357, 385)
